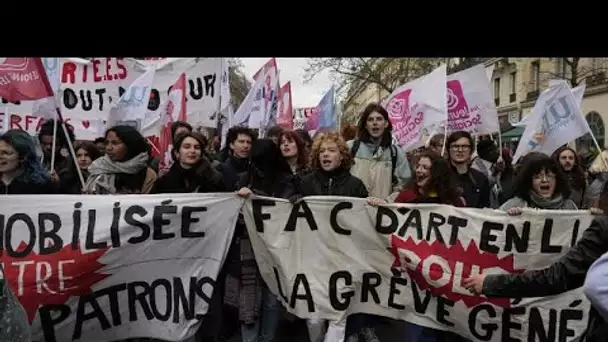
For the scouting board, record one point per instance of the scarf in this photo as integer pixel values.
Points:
(103, 171)
(556, 202)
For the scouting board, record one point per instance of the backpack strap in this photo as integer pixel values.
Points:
(355, 147)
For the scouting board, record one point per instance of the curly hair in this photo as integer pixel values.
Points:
(347, 158)
(533, 164)
(578, 175)
(442, 178)
(302, 151)
(24, 144)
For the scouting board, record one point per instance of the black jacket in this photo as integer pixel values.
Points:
(337, 183)
(475, 188)
(231, 171)
(203, 179)
(17, 187)
(567, 274)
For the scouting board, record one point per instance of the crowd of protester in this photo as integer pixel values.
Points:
(360, 161)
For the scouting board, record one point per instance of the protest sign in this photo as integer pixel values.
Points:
(90, 87)
(107, 268)
(329, 256)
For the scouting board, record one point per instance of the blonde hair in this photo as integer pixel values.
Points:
(347, 159)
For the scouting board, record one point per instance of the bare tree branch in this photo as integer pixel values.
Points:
(239, 84)
(352, 75)
(573, 71)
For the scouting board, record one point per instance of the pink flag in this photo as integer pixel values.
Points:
(23, 79)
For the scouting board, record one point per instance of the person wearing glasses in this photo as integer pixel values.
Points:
(539, 184)
(474, 184)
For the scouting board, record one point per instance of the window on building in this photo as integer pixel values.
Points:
(536, 76)
(596, 123)
(497, 90)
(512, 83)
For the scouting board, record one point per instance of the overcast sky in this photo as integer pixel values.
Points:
(292, 69)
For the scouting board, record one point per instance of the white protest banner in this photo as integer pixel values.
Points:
(556, 120)
(328, 256)
(108, 268)
(90, 87)
(471, 106)
(418, 104)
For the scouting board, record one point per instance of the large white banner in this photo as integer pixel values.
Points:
(108, 268)
(329, 256)
(89, 88)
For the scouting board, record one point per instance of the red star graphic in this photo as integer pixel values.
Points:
(70, 273)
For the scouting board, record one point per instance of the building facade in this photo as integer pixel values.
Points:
(517, 82)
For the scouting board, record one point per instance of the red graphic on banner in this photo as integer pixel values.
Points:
(441, 269)
(39, 280)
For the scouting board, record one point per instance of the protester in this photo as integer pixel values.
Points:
(191, 171)
(294, 151)
(488, 162)
(540, 184)
(86, 153)
(330, 164)
(124, 168)
(101, 144)
(274, 133)
(566, 274)
(570, 165)
(474, 184)
(63, 159)
(436, 144)
(259, 309)
(433, 182)
(180, 127)
(381, 166)
(238, 140)
(305, 137)
(596, 285)
(21, 171)
(349, 132)
(330, 176)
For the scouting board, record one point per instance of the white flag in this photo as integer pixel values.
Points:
(132, 106)
(252, 106)
(417, 105)
(557, 120)
(225, 84)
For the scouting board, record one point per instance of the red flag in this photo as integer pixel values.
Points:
(23, 79)
(175, 111)
(272, 63)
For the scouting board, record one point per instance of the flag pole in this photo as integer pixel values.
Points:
(218, 124)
